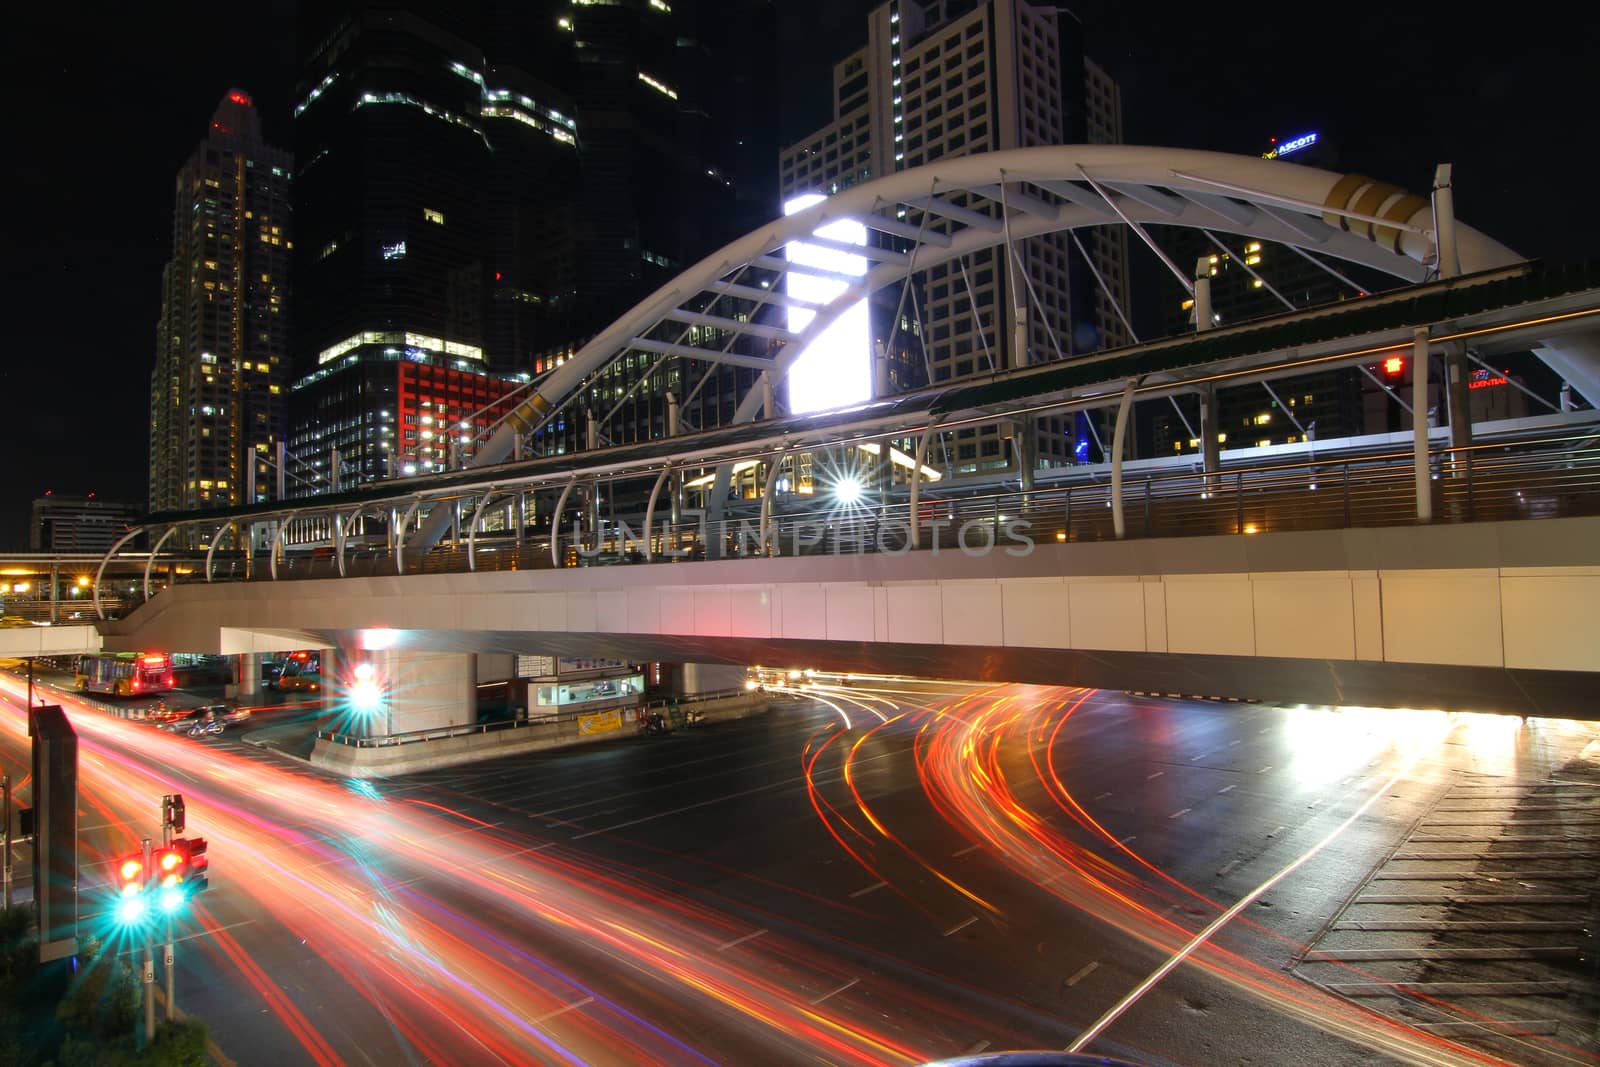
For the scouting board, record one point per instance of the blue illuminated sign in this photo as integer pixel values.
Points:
(1293, 144)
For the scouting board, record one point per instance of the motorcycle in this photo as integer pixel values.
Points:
(201, 729)
(654, 725)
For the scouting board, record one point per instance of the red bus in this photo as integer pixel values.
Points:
(125, 674)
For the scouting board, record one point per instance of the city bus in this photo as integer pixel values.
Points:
(125, 674)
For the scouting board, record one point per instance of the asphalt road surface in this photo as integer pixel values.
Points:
(884, 872)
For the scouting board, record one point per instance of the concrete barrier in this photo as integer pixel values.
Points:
(379, 760)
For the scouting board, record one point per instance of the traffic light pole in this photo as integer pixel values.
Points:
(148, 977)
(166, 962)
(5, 813)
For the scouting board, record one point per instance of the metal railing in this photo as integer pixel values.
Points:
(1534, 477)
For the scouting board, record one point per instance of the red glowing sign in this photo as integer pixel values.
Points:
(1482, 379)
(239, 98)
(1394, 366)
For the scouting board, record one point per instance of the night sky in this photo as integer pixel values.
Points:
(107, 101)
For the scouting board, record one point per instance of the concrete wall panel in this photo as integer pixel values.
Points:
(1552, 621)
(1304, 616)
(915, 613)
(712, 615)
(1107, 615)
(804, 610)
(1210, 614)
(973, 613)
(1442, 616)
(750, 610)
(849, 612)
(1038, 613)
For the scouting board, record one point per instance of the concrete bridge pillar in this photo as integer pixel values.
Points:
(392, 691)
(247, 675)
(697, 678)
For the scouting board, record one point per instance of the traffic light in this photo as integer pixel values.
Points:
(172, 811)
(171, 869)
(132, 880)
(198, 864)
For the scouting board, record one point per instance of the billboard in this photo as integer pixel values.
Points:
(835, 369)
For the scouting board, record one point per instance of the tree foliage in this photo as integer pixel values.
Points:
(57, 1015)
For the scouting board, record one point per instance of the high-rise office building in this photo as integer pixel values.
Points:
(217, 397)
(947, 78)
(457, 210)
(78, 523)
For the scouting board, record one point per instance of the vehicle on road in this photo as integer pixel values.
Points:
(301, 673)
(202, 728)
(125, 674)
(185, 720)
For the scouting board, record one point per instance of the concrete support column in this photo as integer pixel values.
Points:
(247, 674)
(697, 678)
(407, 690)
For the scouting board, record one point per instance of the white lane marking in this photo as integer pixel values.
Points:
(1230, 866)
(964, 851)
(873, 888)
(1180, 813)
(1226, 789)
(1116, 1010)
(1150, 777)
(1232, 743)
(835, 992)
(1265, 769)
(1130, 837)
(1083, 973)
(975, 1049)
(1102, 796)
(1202, 755)
(740, 940)
(562, 1011)
(960, 926)
(1278, 831)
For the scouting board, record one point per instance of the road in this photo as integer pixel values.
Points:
(874, 873)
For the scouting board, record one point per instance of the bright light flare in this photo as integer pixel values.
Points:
(365, 695)
(130, 910)
(847, 491)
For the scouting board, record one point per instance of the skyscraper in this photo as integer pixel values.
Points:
(217, 403)
(459, 211)
(945, 78)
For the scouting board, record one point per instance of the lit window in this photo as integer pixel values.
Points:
(395, 251)
(433, 216)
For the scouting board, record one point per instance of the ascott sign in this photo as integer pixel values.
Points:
(835, 370)
(1293, 144)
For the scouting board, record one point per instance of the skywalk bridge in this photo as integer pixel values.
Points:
(1452, 565)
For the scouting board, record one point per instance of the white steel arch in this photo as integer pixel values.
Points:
(982, 201)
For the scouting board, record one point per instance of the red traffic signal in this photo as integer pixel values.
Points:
(130, 873)
(1394, 366)
(171, 864)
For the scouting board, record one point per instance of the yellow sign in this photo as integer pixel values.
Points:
(601, 722)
